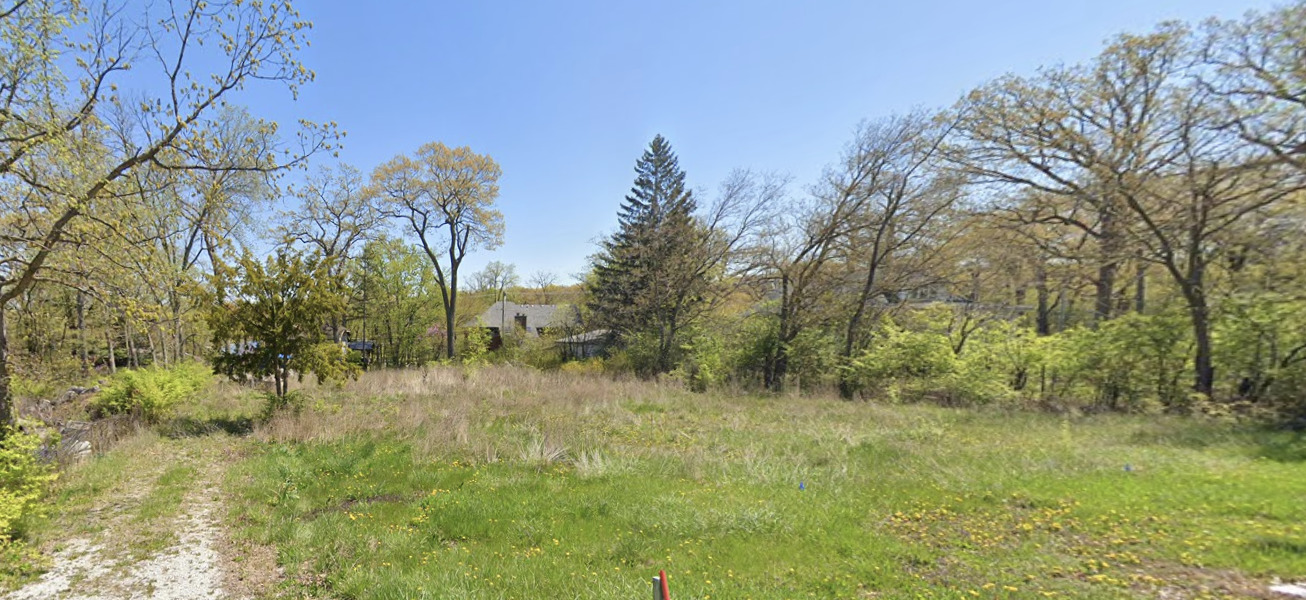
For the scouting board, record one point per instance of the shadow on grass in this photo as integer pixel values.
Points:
(198, 427)
(1284, 446)
(1273, 442)
(1280, 545)
(1192, 433)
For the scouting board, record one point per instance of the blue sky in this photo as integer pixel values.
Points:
(565, 95)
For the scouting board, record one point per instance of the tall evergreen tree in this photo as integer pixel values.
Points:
(645, 281)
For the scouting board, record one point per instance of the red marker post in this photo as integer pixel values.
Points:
(660, 589)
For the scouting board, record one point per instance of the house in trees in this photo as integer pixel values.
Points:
(507, 318)
(585, 345)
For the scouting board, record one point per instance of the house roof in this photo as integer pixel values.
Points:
(537, 315)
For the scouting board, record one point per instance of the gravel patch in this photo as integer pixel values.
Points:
(188, 570)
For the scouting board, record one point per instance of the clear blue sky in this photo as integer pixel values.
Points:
(566, 95)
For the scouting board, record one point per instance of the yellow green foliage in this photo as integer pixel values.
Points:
(152, 392)
(22, 478)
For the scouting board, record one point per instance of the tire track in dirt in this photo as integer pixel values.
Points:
(96, 568)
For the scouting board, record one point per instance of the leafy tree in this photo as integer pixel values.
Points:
(1260, 74)
(1075, 144)
(445, 198)
(395, 303)
(903, 225)
(69, 138)
(268, 319)
(797, 260)
(336, 216)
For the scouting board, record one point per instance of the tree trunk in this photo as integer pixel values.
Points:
(154, 354)
(777, 369)
(1140, 288)
(777, 361)
(81, 333)
(1043, 318)
(448, 323)
(130, 343)
(846, 386)
(179, 339)
(6, 394)
(1110, 242)
(1203, 367)
(113, 356)
(1105, 289)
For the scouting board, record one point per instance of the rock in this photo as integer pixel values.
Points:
(73, 393)
(77, 450)
(1296, 591)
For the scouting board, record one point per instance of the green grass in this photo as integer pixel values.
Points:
(516, 486)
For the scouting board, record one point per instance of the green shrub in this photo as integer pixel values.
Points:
(641, 353)
(329, 363)
(589, 366)
(901, 354)
(24, 388)
(539, 352)
(930, 360)
(702, 364)
(1132, 363)
(813, 358)
(152, 392)
(23, 479)
(474, 346)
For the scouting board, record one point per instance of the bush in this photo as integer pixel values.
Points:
(23, 479)
(1131, 363)
(589, 366)
(702, 364)
(923, 362)
(539, 352)
(474, 346)
(24, 388)
(152, 392)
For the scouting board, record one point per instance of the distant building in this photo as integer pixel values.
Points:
(585, 345)
(511, 319)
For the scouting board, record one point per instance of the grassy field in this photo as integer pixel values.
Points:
(504, 483)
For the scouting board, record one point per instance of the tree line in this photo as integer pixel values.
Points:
(1120, 232)
(1159, 184)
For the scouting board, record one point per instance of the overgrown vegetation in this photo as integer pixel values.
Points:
(508, 482)
(1072, 303)
(152, 393)
(23, 479)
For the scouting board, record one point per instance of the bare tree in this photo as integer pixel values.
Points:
(1083, 138)
(902, 225)
(542, 282)
(336, 216)
(496, 276)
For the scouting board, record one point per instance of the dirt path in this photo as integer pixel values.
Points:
(108, 565)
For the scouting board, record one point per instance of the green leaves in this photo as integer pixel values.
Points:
(268, 316)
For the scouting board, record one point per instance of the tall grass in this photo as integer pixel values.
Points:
(503, 482)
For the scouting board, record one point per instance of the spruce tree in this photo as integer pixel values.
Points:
(642, 283)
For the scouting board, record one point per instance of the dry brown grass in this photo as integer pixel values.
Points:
(478, 413)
